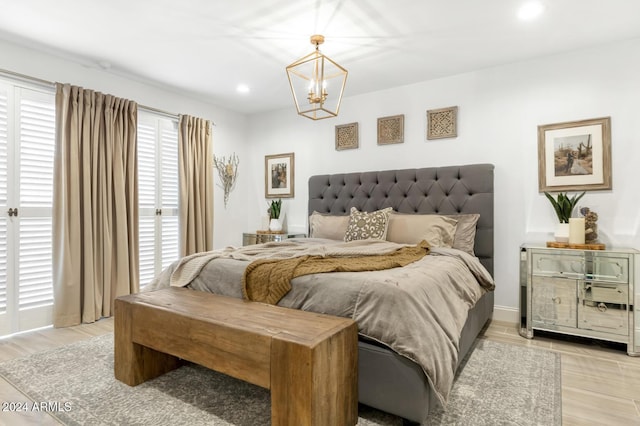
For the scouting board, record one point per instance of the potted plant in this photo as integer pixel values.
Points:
(274, 215)
(563, 206)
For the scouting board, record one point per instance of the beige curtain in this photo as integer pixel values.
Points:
(195, 158)
(95, 205)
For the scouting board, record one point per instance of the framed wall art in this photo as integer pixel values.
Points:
(391, 129)
(575, 156)
(279, 175)
(346, 136)
(442, 123)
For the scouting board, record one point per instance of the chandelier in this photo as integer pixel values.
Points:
(317, 83)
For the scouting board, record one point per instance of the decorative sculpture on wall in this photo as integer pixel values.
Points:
(228, 172)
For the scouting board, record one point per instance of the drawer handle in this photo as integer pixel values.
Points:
(602, 307)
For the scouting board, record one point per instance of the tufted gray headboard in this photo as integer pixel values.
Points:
(442, 190)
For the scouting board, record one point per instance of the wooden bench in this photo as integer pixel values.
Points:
(307, 360)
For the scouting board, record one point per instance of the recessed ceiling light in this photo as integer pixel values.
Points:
(242, 88)
(530, 10)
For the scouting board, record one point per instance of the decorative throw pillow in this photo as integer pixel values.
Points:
(327, 226)
(437, 230)
(465, 237)
(364, 225)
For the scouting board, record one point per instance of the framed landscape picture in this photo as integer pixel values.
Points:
(575, 156)
(279, 175)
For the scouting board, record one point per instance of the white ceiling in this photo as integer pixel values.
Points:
(208, 47)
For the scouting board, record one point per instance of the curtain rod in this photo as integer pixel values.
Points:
(47, 83)
(159, 111)
(27, 78)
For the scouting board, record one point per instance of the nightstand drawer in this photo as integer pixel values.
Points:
(589, 266)
(610, 269)
(604, 307)
(558, 265)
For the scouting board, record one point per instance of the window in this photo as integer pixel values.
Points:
(27, 142)
(27, 145)
(157, 193)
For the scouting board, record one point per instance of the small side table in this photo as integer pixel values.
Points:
(581, 292)
(249, 238)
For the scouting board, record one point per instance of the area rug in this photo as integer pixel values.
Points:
(498, 384)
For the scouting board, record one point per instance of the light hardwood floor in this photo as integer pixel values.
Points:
(600, 384)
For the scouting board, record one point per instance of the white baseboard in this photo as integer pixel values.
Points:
(505, 314)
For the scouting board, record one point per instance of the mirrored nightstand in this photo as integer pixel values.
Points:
(588, 293)
(249, 238)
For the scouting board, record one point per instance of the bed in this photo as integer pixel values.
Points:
(394, 376)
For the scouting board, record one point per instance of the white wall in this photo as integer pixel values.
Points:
(499, 111)
(229, 133)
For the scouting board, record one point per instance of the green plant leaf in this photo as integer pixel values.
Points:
(564, 205)
(274, 209)
(556, 206)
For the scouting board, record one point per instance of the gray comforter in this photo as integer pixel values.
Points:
(417, 310)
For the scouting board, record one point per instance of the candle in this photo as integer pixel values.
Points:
(576, 230)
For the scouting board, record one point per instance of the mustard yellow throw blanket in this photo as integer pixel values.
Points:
(268, 280)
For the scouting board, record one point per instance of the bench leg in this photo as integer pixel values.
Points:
(315, 386)
(134, 363)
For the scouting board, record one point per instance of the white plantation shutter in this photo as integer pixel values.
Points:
(169, 240)
(169, 191)
(3, 206)
(34, 263)
(27, 140)
(146, 197)
(157, 193)
(37, 145)
(3, 275)
(147, 237)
